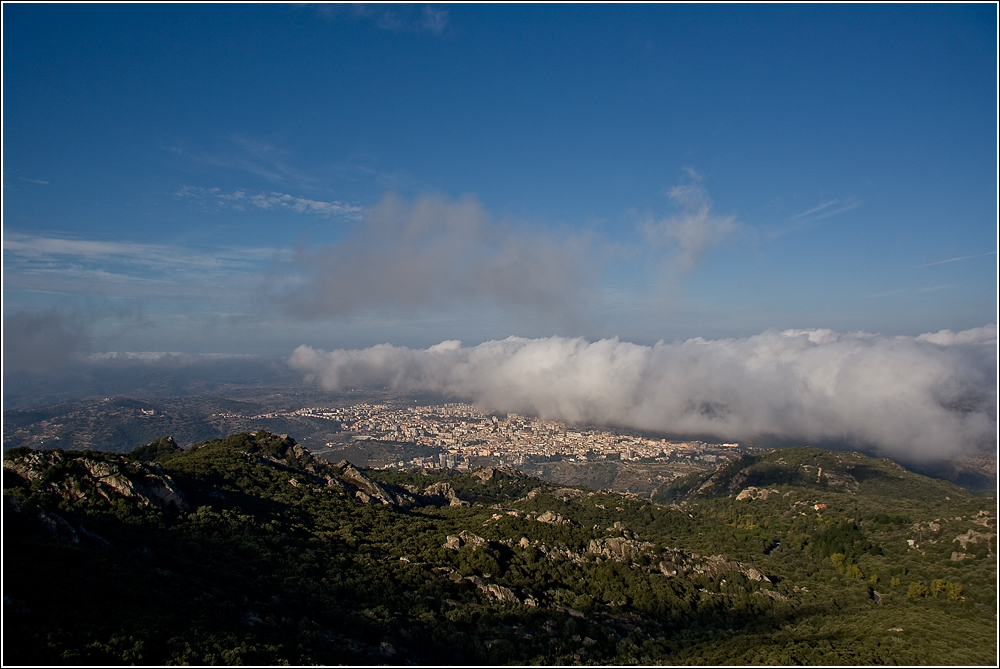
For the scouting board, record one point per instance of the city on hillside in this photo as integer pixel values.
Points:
(464, 434)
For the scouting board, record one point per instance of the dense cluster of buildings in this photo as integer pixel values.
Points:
(464, 432)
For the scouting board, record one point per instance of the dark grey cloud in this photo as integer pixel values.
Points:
(42, 340)
(911, 398)
(437, 253)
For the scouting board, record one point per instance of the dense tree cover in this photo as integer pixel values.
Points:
(272, 558)
(158, 450)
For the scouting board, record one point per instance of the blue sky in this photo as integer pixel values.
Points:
(251, 178)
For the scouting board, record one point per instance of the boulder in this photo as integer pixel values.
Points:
(502, 594)
(553, 519)
(464, 538)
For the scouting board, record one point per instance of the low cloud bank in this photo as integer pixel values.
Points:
(910, 398)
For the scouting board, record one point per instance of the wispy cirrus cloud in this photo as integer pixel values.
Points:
(394, 18)
(58, 264)
(941, 262)
(910, 291)
(824, 211)
(241, 200)
(434, 20)
(22, 248)
(814, 210)
(260, 158)
(806, 219)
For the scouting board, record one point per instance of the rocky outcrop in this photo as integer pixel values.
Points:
(553, 518)
(715, 478)
(717, 565)
(672, 562)
(443, 491)
(973, 537)
(753, 492)
(737, 480)
(464, 538)
(369, 491)
(160, 489)
(501, 593)
(290, 456)
(670, 568)
(497, 592)
(485, 474)
(80, 476)
(489, 473)
(618, 548)
(838, 480)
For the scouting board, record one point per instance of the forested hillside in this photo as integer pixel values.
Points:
(250, 550)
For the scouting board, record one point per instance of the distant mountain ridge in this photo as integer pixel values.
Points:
(811, 469)
(119, 424)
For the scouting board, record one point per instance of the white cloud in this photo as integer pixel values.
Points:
(435, 20)
(814, 209)
(45, 249)
(976, 336)
(395, 18)
(55, 264)
(941, 262)
(241, 201)
(823, 211)
(438, 253)
(913, 398)
(165, 358)
(695, 229)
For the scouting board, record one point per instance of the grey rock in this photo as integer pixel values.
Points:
(464, 538)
